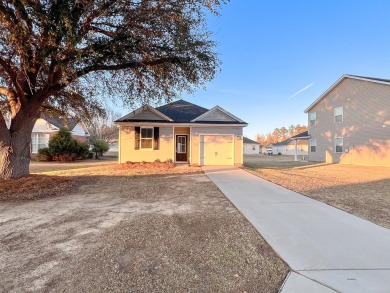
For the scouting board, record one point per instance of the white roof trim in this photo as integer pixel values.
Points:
(220, 109)
(338, 82)
(145, 108)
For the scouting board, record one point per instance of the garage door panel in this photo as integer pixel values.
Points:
(216, 150)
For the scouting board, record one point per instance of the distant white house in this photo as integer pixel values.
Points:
(251, 147)
(45, 128)
(295, 145)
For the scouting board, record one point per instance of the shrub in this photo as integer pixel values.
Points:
(157, 160)
(99, 147)
(65, 148)
(170, 161)
(82, 150)
(44, 155)
(63, 143)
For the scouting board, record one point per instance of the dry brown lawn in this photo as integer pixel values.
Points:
(132, 228)
(361, 190)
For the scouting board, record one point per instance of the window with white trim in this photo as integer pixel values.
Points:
(312, 118)
(39, 141)
(338, 114)
(146, 138)
(313, 145)
(338, 144)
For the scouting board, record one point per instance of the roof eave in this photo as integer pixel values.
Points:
(144, 108)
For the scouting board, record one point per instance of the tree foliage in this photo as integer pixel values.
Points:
(70, 56)
(103, 127)
(99, 147)
(280, 134)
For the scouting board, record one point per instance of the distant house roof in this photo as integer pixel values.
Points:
(364, 78)
(69, 123)
(181, 112)
(284, 142)
(291, 140)
(247, 140)
(302, 135)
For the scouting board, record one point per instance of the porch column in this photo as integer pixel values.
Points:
(296, 150)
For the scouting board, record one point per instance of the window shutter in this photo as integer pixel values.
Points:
(156, 138)
(137, 137)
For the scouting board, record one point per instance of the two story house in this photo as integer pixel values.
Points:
(350, 122)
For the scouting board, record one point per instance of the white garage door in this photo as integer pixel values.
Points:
(216, 150)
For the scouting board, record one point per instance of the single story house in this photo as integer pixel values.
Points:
(45, 128)
(350, 122)
(181, 132)
(287, 147)
(251, 147)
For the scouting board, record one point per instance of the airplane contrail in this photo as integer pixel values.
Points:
(301, 90)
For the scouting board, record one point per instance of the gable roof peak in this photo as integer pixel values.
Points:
(214, 109)
(344, 76)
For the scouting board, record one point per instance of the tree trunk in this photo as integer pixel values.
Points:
(15, 158)
(15, 150)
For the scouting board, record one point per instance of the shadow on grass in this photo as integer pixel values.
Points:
(63, 182)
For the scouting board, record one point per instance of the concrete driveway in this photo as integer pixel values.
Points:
(328, 250)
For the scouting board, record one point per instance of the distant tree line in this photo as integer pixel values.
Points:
(280, 134)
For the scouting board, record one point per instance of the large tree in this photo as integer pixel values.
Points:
(70, 55)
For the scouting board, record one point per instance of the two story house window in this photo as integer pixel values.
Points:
(338, 114)
(313, 145)
(338, 142)
(312, 118)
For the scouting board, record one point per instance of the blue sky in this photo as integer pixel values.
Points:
(271, 50)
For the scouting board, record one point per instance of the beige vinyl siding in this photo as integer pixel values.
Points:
(129, 154)
(365, 127)
(217, 115)
(235, 131)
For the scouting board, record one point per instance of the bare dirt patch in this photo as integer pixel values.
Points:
(361, 190)
(39, 167)
(34, 187)
(134, 229)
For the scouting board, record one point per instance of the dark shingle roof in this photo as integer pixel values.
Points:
(182, 111)
(284, 142)
(69, 123)
(301, 135)
(247, 140)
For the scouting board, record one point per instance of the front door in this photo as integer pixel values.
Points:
(181, 148)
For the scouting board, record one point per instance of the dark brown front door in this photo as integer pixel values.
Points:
(181, 148)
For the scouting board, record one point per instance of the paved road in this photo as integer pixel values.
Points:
(324, 246)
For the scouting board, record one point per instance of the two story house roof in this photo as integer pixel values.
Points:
(355, 77)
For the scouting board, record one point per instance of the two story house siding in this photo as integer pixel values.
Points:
(350, 123)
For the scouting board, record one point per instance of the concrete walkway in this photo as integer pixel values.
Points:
(328, 250)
